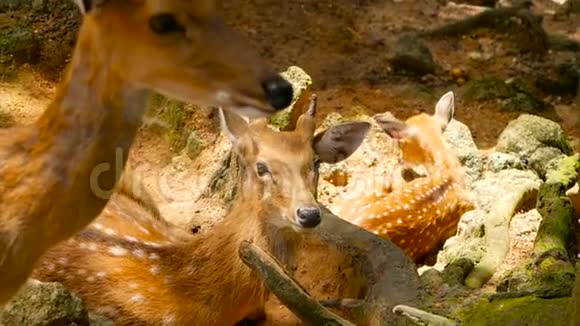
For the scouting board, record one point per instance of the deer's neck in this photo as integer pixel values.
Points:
(214, 263)
(77, 149)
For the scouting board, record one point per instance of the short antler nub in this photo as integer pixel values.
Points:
(312, 103)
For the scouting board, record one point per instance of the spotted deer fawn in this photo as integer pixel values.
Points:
(51, 186)
(130, 267)
(418, 216)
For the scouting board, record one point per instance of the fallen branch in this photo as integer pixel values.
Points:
(290, 293)
(422, 317)
(495, 19)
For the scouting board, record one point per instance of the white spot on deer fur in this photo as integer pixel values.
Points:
(137, 298)
(101, 274)
(144, 230)
(389, 225)
(98, 226)
(107, 311)
(62, 261)
(169, 320)
(152, 244)
(130, 238)
(110, 231)
(399, 221)
(154, 269)
(91, 279)
(81, 271)
(92, 246)
(117, 251)
(153, 256)
(139, 253)
(133, 285)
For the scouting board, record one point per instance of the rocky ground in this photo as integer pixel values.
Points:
(360, 62)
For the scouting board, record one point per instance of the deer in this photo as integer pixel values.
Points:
(421, 214)
(56, 172)
(128, 266)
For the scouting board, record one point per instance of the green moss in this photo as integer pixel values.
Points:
(521, 102)
(281, 119)
(529, 311)
(18, 44)
(515, 95)
(487, 88)
(175, 115)
(566, 172)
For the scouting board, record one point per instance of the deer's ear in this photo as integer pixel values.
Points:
(233, 125)
(85, 6)
(445, 109)
(394, 127)
(339, 142)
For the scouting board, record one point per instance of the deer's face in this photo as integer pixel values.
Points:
(417, 135)
(282, 167)
(183, 49)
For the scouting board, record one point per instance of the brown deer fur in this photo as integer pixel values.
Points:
(125, 50)
(130, 267)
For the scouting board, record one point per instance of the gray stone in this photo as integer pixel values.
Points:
(410, 54)
(39, 303)
(540, 160)
(498, 161)
(528, 133)
(459, 137)
(495, 194)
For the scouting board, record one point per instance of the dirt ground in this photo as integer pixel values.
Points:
(344, 46)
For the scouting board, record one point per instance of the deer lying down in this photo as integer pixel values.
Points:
(51, 185)
(418, 216)
(132, 270)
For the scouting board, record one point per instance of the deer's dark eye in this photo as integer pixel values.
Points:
(262, 169)
(165, 24)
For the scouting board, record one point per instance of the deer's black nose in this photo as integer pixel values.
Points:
(308, 217)
(278, 91)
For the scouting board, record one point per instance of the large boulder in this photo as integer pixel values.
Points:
(529, 133)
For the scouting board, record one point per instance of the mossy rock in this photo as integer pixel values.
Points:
(487, 88)
(521, 102)
(175, 116)
(301, 82)
(529, 311)
(528, 133)
(39, 304)
(513, 95)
